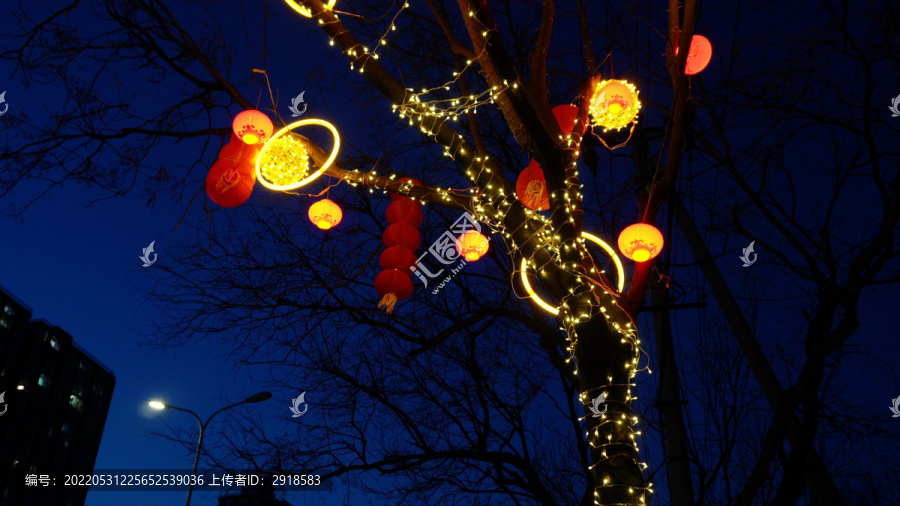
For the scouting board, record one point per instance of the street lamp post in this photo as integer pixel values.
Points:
(262, 396)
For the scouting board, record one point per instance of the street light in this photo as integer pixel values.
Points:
(262, 396)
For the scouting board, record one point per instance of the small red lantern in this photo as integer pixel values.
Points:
(325, 214)
(394, 196)
(397, 257)
(640, 242)
(565, 116)
(472, 245)
(392, 285)
(402, 234)
(252, 126)
(532, 187)
(230, 185)
(699, 55)
(406, 211)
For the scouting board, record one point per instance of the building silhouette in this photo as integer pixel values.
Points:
(57, 397)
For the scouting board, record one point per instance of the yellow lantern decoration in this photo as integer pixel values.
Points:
(640, 242)
(325, 214)
(620, 270)
(615, 104)
(472, 245)
(283, 163)
(303, 11)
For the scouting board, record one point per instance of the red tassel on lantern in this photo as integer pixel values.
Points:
(392, 285)
(532, 188)
(230, 185)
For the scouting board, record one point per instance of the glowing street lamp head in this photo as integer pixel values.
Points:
(157, 405)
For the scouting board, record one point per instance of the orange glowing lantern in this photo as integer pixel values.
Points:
(531, 187)
(325, 214)
(230, 185)
(699, 55)
(640, 242)
(615, 104)
(252, 126)
(472, 245)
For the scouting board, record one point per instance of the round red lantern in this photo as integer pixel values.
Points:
(394, 196)
(252, 126)
(406, 211)
(472, 245)
(230, 185)
(325, 214)
(402, 234)
(532, 187)
(397, 257)
(392, 285)
(699, 55)
(640, 242)
(565, 116)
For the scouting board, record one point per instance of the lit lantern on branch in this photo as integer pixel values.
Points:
(640, 242)
(325, 214)
(472, 245)
(405, 210)
(699, 55)
(283, 164)
(392, 285)
(531, 187)
(615, 104)
(402, 234)
(252, 126)
(229, 184)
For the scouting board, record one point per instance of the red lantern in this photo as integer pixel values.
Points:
(397, 257)
(472, 245)
(699, 55)
(252, 126)
(405, 210)
(402, 234)
(392, 285)
(230, 185)
(532, 188)
(394, 196)
(565, 116)
(640, 242)
(325, 214)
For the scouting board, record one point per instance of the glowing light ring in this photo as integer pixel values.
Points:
(303, 11)
(314, 175)
(594, 239)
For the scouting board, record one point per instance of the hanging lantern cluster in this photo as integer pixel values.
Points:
(640, 242)
(531, 187)
(614, 104)
(325, 214)
(699, 55)
(230, 180)
(401, 240)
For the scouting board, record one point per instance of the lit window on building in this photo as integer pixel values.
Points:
(75, 402)
(11, 311)
(43, 380)
(54, 342)
(4, 322)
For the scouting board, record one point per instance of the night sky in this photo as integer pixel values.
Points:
(75, 262)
